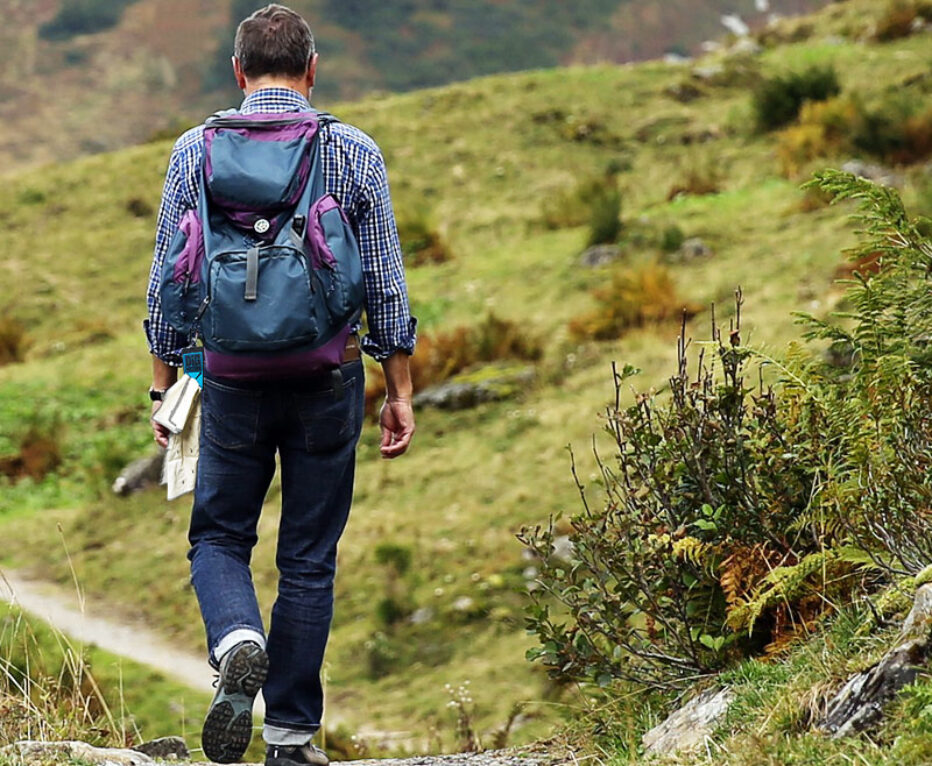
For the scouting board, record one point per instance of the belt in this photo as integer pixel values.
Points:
(351, 352)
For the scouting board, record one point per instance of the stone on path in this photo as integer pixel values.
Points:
(488, 758)
(30, 751)
(104, 756)
(165, 748)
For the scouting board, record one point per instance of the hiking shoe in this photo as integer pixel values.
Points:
(228, 726)
(283, 755)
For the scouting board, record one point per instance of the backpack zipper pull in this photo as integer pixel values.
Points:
(201, 309)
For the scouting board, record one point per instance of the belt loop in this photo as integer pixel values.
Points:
(336, 377)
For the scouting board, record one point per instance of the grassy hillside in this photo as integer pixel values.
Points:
(485, 163)
(54, 688)
(123, 71)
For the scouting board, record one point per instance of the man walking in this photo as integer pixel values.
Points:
(310, 418)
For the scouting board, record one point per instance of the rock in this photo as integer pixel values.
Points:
(918, 623)
(708, 73)
(421, 616)
(489, 384)
(463, 604)
(165, 748)
(746, 46)
(694, 247)
(79, 751)
(599, 255)
(700, 135)
(486, 758)
(874, 172)
(140, 474)
(684, 92)
(859, 704)
(735, 24)
(688, 727)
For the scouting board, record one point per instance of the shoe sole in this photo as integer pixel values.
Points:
(228, 727)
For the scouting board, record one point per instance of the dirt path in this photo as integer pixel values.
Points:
(86, 623)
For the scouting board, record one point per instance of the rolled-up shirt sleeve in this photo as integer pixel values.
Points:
(391, 327)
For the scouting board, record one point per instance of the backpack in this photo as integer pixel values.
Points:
(266, 270)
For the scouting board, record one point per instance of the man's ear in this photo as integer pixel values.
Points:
(238, 74)
(311, 75)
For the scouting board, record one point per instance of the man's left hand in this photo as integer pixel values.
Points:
(161, 432)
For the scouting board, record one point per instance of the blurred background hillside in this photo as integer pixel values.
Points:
(554, 221)
(86, 76)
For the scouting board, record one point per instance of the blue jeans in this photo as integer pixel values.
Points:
(314, 429)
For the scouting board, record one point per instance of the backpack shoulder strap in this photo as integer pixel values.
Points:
(221, 114)
(325, 118)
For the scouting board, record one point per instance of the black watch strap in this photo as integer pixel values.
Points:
(156, 395)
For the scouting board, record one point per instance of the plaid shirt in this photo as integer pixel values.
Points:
(354, 172)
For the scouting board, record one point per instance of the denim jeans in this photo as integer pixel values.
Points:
(314, 429)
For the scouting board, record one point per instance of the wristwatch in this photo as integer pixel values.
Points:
(156, 394)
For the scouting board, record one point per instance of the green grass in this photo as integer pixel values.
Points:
(774, 701)
(134, 704)
(485, 156)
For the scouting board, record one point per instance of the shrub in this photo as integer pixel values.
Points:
(635, 297)
(421, 243)
(78, 17)
(139, 208)
(874, 416)
(701, 176)
(396, 603)
(699, 496)
(582, 203)
(13, 340)
(605, 218)
(39, 450)
(895, 131)
(898, 19)
(824, 128)
(396, 558)
(672, 238)
(735, 516)
(778, 100)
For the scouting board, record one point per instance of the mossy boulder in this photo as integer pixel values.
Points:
(490, 383)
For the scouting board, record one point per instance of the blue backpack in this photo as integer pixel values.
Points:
(266, 269)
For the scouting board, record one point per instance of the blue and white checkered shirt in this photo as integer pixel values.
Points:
(354, 172)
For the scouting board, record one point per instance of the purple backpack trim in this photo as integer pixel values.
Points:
(188, 265)
(300, 364)
(272, 298)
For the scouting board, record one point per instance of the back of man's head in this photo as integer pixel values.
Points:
(274, 41)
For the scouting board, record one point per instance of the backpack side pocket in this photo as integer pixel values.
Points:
(336, 259)
(181, 288)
